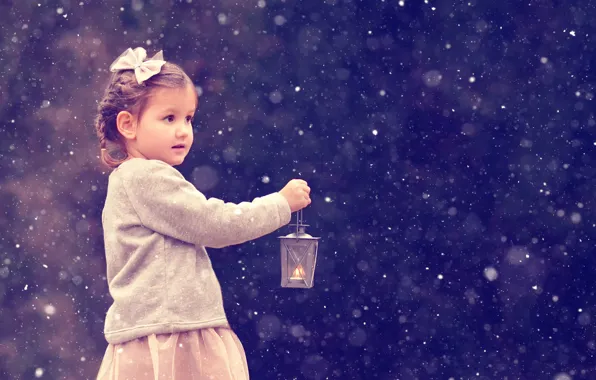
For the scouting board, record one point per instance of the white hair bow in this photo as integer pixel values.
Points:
(135, 60)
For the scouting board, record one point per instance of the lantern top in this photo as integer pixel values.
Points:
(300, 235)
(300, 229)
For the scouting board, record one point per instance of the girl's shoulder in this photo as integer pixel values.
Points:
(145, 170)
(136, 164)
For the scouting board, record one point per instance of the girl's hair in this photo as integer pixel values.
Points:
(123, 93)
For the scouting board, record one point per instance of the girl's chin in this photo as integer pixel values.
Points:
(177, 160)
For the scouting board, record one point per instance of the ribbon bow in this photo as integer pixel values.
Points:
(133, 60)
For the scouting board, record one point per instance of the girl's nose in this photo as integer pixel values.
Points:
(182, 131)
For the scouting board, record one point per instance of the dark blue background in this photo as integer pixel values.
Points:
(425, 184)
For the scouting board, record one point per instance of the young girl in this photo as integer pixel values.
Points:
(167, 320)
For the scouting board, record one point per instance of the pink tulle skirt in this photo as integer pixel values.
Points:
(211, 353)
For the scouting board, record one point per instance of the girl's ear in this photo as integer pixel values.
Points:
(126, 124)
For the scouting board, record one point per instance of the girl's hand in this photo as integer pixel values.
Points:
(297, 193)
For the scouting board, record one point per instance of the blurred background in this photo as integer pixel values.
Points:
(449, 146)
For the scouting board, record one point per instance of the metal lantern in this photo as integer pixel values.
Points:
(298, 256)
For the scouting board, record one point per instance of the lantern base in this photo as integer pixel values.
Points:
(296, 284)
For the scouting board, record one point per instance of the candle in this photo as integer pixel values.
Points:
(298, 273)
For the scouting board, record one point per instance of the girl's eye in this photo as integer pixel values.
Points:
(190, 119)
(169, 118)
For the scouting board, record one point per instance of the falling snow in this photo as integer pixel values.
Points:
(449, 146)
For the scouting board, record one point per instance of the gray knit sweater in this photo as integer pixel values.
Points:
(156, 227)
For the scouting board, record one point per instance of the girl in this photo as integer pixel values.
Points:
(167, 320)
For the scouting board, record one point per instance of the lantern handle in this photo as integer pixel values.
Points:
(298, 221)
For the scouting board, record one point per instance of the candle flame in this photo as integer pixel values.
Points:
(298, 273)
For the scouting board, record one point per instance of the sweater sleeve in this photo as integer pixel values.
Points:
(167, 203)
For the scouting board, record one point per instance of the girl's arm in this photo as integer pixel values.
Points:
(167, 203)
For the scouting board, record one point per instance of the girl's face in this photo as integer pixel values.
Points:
(164, 130)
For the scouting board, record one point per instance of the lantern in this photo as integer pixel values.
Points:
(298, 256)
